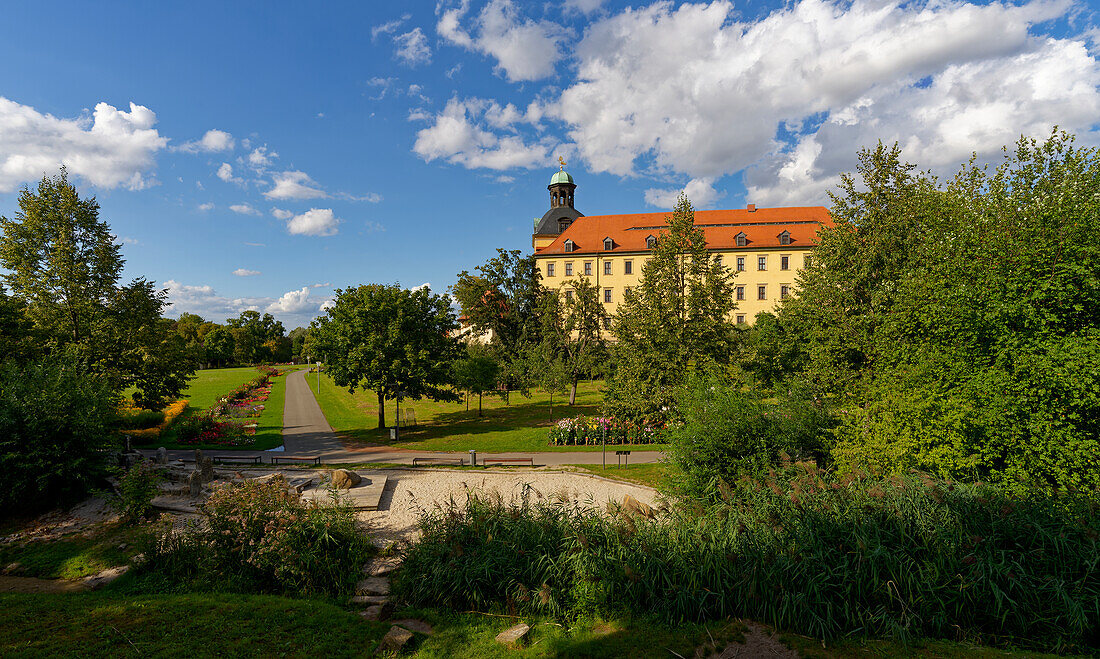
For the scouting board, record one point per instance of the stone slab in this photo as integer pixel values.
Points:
(364, 496)
(514, 634)
(381, 566)
(373, 586)
(369, 600)
(395, 639)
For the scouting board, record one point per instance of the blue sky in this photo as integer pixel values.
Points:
(276, 151)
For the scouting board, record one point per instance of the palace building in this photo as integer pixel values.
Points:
(766, 246)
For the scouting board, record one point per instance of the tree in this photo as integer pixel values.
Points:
(571, 333)
(677, 320)
(219, 345)
(503, 301)
(388, 340)
(476, 373)
(16, 332)
(63, 265)
(297, 338)
(252, 334)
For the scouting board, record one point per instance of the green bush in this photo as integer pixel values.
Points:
(56, 423)
(259, 537)
(136, 488)
(141, 420)
(902, 557)
(728, 432)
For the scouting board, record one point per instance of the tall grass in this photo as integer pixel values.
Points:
(900, 558)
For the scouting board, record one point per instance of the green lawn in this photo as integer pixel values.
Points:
(76, 555)
(520, 426)
(211, 383)
(651, 474)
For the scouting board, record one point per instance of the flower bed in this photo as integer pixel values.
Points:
(219, 425)
(171, 413)
(589, 431)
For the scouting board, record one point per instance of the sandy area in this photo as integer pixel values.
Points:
(408, 493)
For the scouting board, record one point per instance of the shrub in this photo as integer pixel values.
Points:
(56, 423)
(260, 537)
(140, 419)
(167, 416)
(136, 489)
(728, 432)
(900, 557)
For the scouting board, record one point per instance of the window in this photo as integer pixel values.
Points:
(784, 292)
(563, 225)
(740, 319)
(740, 292)
(650, 241)
(784, 262)
(785, 238)
(761, 292)
(740, 264)
(549, 269)
(570, 246)
(607, 296)
(607, 267)
(806, 261)
(761, 263)
(628, 267)
(568, 268)
(742, 239)
(587, 268)
(569, 294)
(608, 244)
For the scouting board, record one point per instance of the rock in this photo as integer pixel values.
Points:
(372, 613)
(13, 568)
(380, 567)
(137, 559)
(342, 479)
(194, 484)
(413, 625)
(513, 635)
(395, 639)
(369, 600)
(206, 468)
(123, 547)
(634, 507)
(198, 457)
(162, 456)
(373, 586)
(105, 577)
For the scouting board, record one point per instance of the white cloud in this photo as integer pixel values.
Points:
(294, 185)
(456, 137)
(225, 173)
(281, 214)
(260, 158)
(525, 49)
(389, 27)
(110, 149)
(412, 48)
(426, 285)
(256, 244)
(292, 302)
(244, 209)
(314, 222)
(241, 272)
(327, 304)
(584, 6)
(126, 240)
(700, 192)
(213, 141)
(208, 206)
(205, 301)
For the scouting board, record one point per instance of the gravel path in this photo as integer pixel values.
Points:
(408, 493)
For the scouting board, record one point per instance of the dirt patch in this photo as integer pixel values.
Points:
(33, 585)
(758, 643)
(58, 523)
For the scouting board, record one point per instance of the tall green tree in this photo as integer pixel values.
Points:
(503, 300)
(677, 320)
(63, 265)
(571, 334)
(16, 331)
(219, 345)
(254, 335)
(476, 373)
(388, 339)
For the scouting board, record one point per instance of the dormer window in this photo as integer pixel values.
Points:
(570, 246)
(608, 244)
(563, 225)
(650, 241)
(742, 239)
(785, 238)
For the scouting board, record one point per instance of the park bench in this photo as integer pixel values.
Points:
(486, 461)
(295, 459)
(238, 459)
(623, 457)
(449, 461)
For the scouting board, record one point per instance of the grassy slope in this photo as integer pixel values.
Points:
(650, 474)
(521, 426)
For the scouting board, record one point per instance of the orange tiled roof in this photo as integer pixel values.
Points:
(629, 232)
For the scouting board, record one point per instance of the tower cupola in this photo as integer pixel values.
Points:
(561, 187)
(562, 212)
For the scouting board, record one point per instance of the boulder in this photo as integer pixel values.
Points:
(395, 639)
(162, 456)
(413, 625)
(634, 507)
(342, 479)
(194, 484)
(513, 635)
(206, 468)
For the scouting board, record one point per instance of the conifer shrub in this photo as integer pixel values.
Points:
(900, 557)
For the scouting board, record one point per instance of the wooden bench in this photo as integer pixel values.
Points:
(238, 459)
(449, 461)
(286, 458)
(486, 461)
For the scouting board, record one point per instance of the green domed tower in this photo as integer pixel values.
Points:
(562, 213)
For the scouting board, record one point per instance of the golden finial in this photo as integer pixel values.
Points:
(561, 163)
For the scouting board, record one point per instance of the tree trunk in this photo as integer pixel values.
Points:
(467, 401)
(573, 393)
(479, 403)
(381, 410)
(551, 407)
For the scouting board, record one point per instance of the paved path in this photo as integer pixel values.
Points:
(306, 432)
